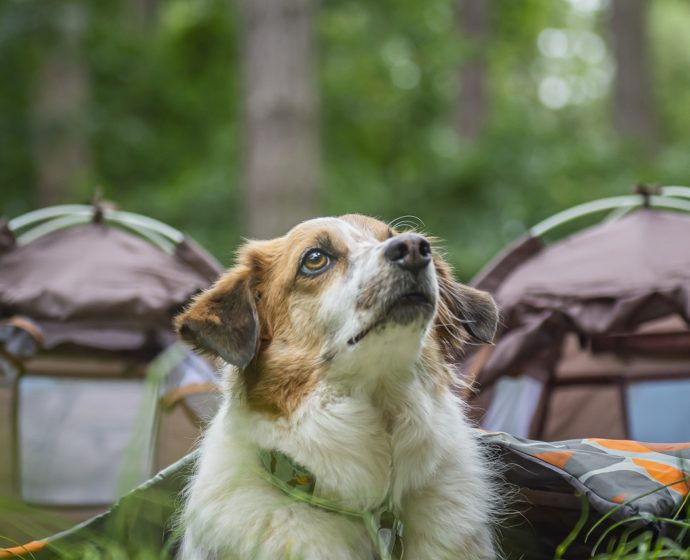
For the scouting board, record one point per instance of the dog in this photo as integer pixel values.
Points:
(339, 340)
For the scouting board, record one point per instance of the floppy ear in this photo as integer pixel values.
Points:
(462, 308)
(222, 321)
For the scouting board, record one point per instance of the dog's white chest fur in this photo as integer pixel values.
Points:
(422, 455)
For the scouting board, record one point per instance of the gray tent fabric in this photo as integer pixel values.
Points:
(101, 296)
(191, 253)
(99, 286)
(628, 256)
(606, 279)
(501, 266)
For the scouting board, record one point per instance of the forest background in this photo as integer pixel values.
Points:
(237, 119)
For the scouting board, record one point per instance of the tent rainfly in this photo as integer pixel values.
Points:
(595, 339)
(95, 395)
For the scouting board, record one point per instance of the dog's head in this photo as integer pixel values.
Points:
(342, 297)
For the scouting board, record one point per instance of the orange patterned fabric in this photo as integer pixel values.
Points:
(665, 447)
(640, 446)
(556, 458)
(622, 445)
(666, 475)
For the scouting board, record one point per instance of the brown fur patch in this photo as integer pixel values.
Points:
(287, 362)
(287, 367)
(463, 313)
(222, 321)
(280, 378)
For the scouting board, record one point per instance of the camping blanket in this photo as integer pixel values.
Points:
(626, 478)
(619, 479)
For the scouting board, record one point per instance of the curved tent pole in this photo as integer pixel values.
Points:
(63, 222)
(617, 214)
(153, 236)
(674, 191)
(626, 202)
(677, 191)
(81, 217)
(50, 226)
(59, 217)
(137, 220)
(31, 218)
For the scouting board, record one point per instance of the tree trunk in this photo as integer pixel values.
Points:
(473, 25)
(60, 147)
(633, 104)
(142, 13)
(281, 156)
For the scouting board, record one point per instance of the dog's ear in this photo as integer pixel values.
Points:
(462, 308)
(223, 321)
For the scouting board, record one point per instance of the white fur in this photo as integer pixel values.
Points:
(377, 423)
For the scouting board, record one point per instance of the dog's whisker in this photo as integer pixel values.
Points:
(414, 221)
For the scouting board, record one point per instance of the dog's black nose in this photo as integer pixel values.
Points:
(409, 251)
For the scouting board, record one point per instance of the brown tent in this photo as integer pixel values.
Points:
(595, 338)
(103, 398)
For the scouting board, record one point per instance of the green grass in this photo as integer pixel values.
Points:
(626, 540)
(621, 540)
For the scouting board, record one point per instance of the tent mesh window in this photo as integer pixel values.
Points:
(659, 411)
(77, 443)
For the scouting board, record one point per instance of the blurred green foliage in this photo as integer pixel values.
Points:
(164, 125)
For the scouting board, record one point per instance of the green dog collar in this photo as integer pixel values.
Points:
(383, 525)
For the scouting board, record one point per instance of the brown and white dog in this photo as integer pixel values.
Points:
(338, 338)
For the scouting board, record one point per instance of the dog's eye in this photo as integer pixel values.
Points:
(314, 261)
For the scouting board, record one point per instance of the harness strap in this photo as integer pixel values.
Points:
(384, 527)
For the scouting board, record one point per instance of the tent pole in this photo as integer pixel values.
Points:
(612, 203)
(544, 407)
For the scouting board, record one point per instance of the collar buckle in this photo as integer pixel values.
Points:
(383, 525)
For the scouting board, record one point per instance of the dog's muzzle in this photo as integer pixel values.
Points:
(409, 294)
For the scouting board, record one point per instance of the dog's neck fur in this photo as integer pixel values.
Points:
(349, 433)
